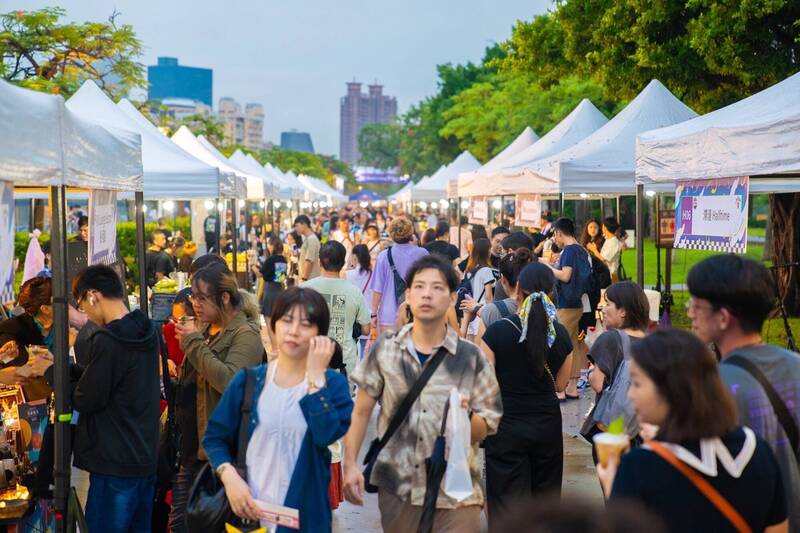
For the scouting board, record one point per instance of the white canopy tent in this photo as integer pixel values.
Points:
(318, 187)
(248, 164)
(523, 141)
(509, 177)
(603, 163)
(44, 144)
(435, 187)
(289, 189)
(757, 136)
(169, 172)
(187, 140)
(253, 185)
(396, 197)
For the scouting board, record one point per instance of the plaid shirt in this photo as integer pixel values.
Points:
(388, 372)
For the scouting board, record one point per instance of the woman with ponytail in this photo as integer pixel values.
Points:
(532, 354)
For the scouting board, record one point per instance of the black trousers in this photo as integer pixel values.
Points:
(180, 494)
(524, 458)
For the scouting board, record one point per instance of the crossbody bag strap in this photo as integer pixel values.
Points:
(244, 420)
(716, 499)
(778, 405)
(391, 261)
(413, 393)
(364, 290)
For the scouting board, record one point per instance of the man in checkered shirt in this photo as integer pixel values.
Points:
(387, 373)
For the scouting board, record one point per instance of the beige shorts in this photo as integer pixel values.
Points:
(570, 318)
(398, 516)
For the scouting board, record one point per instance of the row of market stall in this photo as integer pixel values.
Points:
(656, 144)
(90, 146)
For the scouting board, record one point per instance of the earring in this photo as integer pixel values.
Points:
(91, 301)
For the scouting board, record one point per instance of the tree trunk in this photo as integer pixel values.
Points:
(784, 211)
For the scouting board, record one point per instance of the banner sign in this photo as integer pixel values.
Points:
(102, 227)
(6, 241)
(712, 214)
(528, 210)
(478, 210)
(452, 189)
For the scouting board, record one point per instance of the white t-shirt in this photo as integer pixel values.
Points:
(611, 251)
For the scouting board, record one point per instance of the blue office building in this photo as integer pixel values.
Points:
(299, 141)
(167, 79)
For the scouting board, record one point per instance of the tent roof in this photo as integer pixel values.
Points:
(187, 140)
(291, 179)
(169, 172)
(604, 161)
(176, 174)
(43, 143)
(759, 135)
(524, 140)
(253, 186)
(435, 187)
(582, 121)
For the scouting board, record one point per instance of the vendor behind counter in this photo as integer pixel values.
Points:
(33, 327)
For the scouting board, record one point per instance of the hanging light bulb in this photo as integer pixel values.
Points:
(584, 195)
(423, 205)
(497, 204)
(650, 194)
(262, 204)
(169, 205)
(220, 206)
(464, 204)
(209, 205)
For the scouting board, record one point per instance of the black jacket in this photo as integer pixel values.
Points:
(23, 330)
(117, 397)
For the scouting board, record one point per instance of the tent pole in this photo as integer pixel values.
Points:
(458, 224)
(63, 412)
(561, 204)
(234, 238)
(219, 226)
(640, 235)
(502, 209)
(619, 220)
(140, 250)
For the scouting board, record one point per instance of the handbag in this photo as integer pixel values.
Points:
(716, 499)
(356, 326)
(207, 507)
(399, 416)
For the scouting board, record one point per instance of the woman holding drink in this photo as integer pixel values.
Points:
(702, 472)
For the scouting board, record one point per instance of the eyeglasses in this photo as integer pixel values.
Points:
(692, 307)
(199, 297)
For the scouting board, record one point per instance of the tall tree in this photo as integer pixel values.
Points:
(379, 145)
(40, 52)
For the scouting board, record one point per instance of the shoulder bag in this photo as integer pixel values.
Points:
(399, 283)
(781, 411)
(716, 499)
(614, 402)
(399, 416)
(207, 507)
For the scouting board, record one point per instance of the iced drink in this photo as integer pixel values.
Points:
(608, 445)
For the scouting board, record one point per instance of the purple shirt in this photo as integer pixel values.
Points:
(403, 256)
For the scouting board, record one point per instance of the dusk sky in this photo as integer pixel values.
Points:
(295, 57)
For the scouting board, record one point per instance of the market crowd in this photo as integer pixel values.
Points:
(467, 338)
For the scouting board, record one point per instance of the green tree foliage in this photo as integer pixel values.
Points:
(40, 52)
(208, 126)
(379, 145)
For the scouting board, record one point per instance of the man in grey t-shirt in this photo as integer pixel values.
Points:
(731, 298)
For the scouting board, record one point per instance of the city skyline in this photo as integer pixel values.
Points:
(294, 58)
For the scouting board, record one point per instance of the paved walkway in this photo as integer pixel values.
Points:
(580, 478)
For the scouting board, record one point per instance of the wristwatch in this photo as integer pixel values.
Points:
(318, 383)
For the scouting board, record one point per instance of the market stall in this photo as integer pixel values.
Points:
(45, 145)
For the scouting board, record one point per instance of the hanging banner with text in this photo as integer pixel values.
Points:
(478, 210)
(528, 210)
(102, 227)
(6, 242)
(712, 214)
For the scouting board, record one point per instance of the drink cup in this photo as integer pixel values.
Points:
(609, 445)
(37, 350)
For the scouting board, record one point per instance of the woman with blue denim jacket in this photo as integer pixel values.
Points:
(299, 408)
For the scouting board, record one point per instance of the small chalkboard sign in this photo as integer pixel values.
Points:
(161, 306)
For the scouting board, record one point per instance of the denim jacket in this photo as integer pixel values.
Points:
(327, 414)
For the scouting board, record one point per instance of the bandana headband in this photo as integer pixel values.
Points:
(550, 311)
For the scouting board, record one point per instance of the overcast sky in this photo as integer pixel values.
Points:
(294, 57)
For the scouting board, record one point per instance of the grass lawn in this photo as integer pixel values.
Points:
(773, 331)
(683, 260)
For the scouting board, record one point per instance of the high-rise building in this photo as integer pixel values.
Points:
(167, 79)
(358, 109)
(254, 126)
(230, 115)
(299, 141)
(245, 128)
